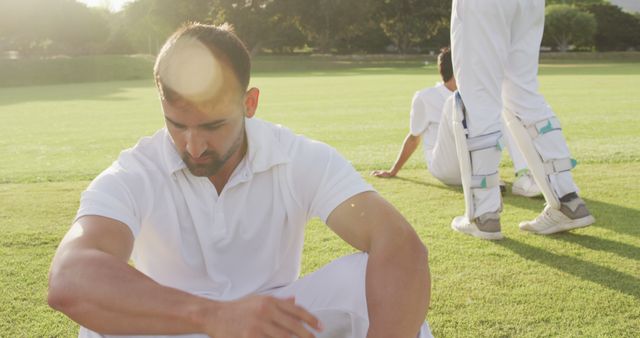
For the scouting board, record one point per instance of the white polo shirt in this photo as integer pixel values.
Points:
(426, 110)
(249, 238)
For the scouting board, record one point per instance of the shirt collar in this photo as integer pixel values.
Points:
(264, 149)
(444, 89)
(172, 160)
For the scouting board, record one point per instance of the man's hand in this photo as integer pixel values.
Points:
(91, 282)
(383, 173)
(262, 317)
(409, 145)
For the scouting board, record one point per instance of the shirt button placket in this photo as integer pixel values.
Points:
(218, 219)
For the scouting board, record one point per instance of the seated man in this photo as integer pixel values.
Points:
(211, 210)
(427, 122)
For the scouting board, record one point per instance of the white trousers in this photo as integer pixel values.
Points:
(334, 293)
(443, 161)
(495, 51)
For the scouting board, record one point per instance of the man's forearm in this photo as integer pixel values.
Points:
(408, 147)
(106, 295)
(398, 287)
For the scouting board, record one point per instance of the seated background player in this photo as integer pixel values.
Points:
(427, 123)
(211, 209)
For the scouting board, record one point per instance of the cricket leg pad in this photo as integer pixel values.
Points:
(545, 150)
(479, 157)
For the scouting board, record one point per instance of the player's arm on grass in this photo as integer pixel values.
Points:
(91, 282)
(397, 278)
(409, 146)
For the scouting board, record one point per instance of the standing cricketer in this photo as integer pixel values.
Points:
(495, 45)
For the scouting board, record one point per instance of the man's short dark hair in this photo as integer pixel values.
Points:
(445, 65)
(223, 43)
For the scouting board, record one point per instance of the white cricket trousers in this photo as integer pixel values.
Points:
(495, 51)
(335, 294)
(443, 163)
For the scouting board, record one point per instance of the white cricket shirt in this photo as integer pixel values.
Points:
(247, 239)
(426, 110)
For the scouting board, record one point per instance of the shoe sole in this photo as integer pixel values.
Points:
(490, 236)
(574, 224)
(524, 193)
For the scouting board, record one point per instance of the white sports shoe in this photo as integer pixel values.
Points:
(486, 226)
(525, 185)
(572, 215)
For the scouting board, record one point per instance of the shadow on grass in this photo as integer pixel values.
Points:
(94, 91)
(600, 244)
(608, 216)
(419, 69)
(429, 184)
(320, 71)
(603, 276)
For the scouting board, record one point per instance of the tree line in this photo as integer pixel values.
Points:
(55, 27)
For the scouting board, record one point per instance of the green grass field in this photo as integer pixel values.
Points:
(56, 138)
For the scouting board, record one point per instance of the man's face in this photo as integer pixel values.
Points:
(207, 136)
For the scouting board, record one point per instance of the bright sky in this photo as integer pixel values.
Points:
(113, 5)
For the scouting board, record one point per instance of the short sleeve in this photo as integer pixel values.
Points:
(113, 194)
(323, 179)
(418, 121)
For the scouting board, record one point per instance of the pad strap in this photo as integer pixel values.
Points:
(543, 127)
(485, 142)
(485, 181)
(556, 166)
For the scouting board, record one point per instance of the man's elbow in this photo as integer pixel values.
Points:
(60, 295)
(410, 246)
(57, 298)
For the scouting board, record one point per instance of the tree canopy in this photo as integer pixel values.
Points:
(617, 30)
(50, 27)
(567, 26)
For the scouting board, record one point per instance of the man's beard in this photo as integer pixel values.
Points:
(206, 169)
(212, 167)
